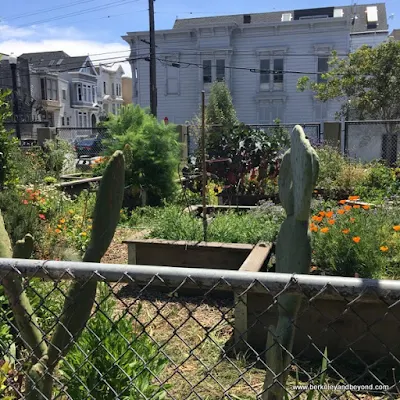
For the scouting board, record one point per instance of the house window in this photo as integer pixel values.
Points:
(79, 91)
(80, 122)
(105, 87)
(264, 74)
(62, 121)
(94, 94)
(113, 109)
(85, 96)
(64, 94)
(220, 70)
(49, 89)
(271, 80)
(172, 80)
(323, 67)
(67, 121)
(112, 89)
(269, 111)
(207, 73)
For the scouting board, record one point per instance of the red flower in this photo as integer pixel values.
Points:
(42, 216)
(24, 201)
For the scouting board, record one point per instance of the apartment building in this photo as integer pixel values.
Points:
(109, 88)
(65, 89)
(239, 49)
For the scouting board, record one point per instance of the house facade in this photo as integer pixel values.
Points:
(64, 89)
(109, 88)
(259, 56)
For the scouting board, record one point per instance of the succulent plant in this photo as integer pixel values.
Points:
(78, 304)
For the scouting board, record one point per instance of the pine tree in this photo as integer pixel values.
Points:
(220, 110)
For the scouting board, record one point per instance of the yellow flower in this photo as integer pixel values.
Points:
(83, 234)
(90, 227)
(71, 211)
(59, 226)
(62, 221)
(383, 248)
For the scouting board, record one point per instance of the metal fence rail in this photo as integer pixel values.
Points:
(182, 333)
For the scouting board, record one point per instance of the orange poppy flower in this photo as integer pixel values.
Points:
(347, 207)
(342, 201)
(352, 219)
(396, 228)
(316, 218)
(325, 230)
(313, 228)
(329, 214)
(354, 198)
(322, 213)
(356, 239)
(341, 212)
(365, 207)
(331, 221)
(383, 248)
(356, 206)
(57, 231)
(346, 231)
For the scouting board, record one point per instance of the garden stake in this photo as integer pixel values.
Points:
(297, 179)
(203, 156)
(81, 294)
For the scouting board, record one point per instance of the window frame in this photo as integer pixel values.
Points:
(210, 74)
(319, 77)
(268, 81)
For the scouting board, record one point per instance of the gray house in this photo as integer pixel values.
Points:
(240, 48)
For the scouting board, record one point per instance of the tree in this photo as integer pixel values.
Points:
(220, 110)
(367, 82)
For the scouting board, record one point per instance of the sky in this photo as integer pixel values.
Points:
(95, 27)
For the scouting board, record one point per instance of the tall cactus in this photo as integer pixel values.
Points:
(81, 294)
(297, 179)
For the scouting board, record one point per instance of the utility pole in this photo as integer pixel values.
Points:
(13, 65)
(153, 82)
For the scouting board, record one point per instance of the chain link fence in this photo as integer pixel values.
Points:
(179, 333)
(372, 140)
(86, 141)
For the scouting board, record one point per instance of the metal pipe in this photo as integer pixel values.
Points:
(255, 282)
(153, 78)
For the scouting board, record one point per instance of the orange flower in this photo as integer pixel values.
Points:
(356, 239)
(346, 231)
(313, 268)
(329, 214)
(341, 212)
(57, 230)
(352, 220)
(322, 213)
(356, 206)
(316, 218)
(354, 198)
(396, 228)
(62, 221)
(325, 230)
(383, 248)
(313, 228)
(347, 207)
(365, 207)
(342, 201)
(331, 221)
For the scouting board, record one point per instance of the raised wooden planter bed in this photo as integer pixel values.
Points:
(365, 326)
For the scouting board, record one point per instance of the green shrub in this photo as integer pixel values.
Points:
(50, 180)
(172, 223)
(111, 360)
(151, 149)
(55, 154)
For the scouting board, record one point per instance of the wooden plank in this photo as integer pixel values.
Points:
(257, 257)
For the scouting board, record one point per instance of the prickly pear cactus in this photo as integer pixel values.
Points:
(297, 179)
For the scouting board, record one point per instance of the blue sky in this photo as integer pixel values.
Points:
(95, 26)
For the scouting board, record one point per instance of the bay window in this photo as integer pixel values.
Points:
(49, 89)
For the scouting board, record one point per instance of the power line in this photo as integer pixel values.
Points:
(85, 11)
(44, 10)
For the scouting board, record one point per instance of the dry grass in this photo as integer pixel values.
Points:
(194, 334)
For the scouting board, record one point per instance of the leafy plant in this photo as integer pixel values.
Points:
(112, 360)
(151, 151)
(56, 153)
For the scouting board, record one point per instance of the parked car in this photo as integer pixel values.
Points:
(90, 147)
